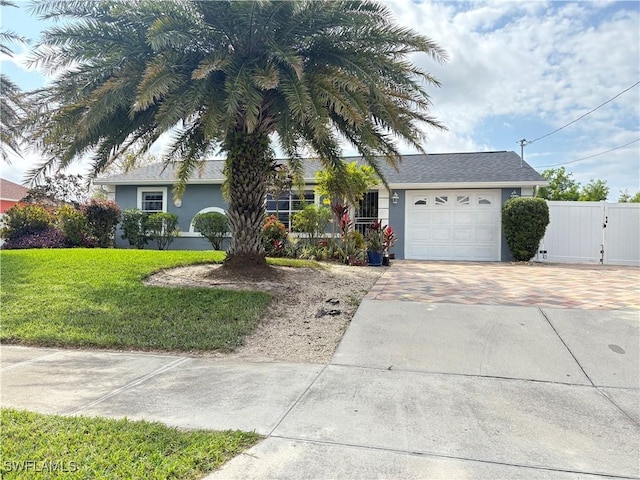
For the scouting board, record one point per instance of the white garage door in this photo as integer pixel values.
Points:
(453, 225)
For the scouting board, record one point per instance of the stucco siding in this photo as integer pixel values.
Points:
(506, 255)
(196, 198)
(397, 221)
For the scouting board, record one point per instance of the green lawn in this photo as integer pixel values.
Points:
(48, 446)
(95, 298)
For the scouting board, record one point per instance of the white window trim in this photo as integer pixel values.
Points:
(142, 190)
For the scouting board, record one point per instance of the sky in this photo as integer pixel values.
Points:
(516, 70)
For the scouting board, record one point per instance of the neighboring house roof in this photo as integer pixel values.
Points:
(12, 191)
(422, 171)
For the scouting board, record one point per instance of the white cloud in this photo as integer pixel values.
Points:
(543, 64)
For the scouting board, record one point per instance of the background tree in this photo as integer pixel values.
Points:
(13, 104)
(626, 197)
(346, 186)
(59, 189)
(562, 186)
(279, 182)
(594, 191)
(230, 76)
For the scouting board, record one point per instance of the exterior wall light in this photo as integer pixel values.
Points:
(394, 198)
(514, 194)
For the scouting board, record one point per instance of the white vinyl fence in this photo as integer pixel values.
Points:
(592, 232)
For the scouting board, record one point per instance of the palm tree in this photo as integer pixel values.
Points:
(233, 77)
(12, 102)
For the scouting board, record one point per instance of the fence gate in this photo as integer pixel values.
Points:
(592, 232)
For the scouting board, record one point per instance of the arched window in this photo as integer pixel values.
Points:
(205, 210)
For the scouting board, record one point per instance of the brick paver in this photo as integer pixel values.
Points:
(536, 284)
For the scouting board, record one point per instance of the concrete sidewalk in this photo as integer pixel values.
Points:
(415, 390)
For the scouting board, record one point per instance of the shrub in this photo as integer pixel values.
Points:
(524, 221)
(312, 220)
(23, 220)
(274, 235)
(213, 226)
(163, 228)
(134, 227)
(49, 238)
(102, 218)
(73, 225)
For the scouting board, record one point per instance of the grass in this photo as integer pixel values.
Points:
(95, 298)
(49, 446)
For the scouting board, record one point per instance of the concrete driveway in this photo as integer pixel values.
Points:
(423, 385)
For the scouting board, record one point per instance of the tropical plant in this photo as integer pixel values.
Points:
(163, 228)
(273, 236)
(348, 186)
(524, 222)
(213, 226)
(13, 104)
(312, 220)
(102, 218)
(389, 238)
(134, 227)
(375, 237)
(230, 76)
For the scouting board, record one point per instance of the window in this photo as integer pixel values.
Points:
(286, 206)
(483, 201)
(367, 212)
(463, 199)
(152, 200)
(442, 200)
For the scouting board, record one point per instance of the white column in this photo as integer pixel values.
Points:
(383, 205)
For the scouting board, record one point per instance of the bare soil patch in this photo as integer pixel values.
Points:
(310, 310)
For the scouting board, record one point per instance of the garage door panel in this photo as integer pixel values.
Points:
(441, 218)
(453, 225)
(463, 252)
(463, 218)
(485, 234)
(485, 218)
(484, 253)
(440, 234)
(463, 234)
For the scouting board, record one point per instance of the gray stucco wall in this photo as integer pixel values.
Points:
(196, 197)
(396, 220)
(506, 255)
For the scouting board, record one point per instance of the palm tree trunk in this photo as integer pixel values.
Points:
(247, 170)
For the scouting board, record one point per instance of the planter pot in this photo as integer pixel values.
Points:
(385, 261)
(375, 258)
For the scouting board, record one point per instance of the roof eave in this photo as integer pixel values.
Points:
(452, 185)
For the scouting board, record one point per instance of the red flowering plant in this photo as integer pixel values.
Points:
(375, 237)
(380, 239)
(274, 235)
(388, 238)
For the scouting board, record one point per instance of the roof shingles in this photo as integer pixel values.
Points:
(436, 168)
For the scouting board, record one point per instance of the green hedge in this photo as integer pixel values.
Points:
(524, 221)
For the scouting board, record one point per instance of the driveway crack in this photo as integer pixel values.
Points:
(566, 346)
